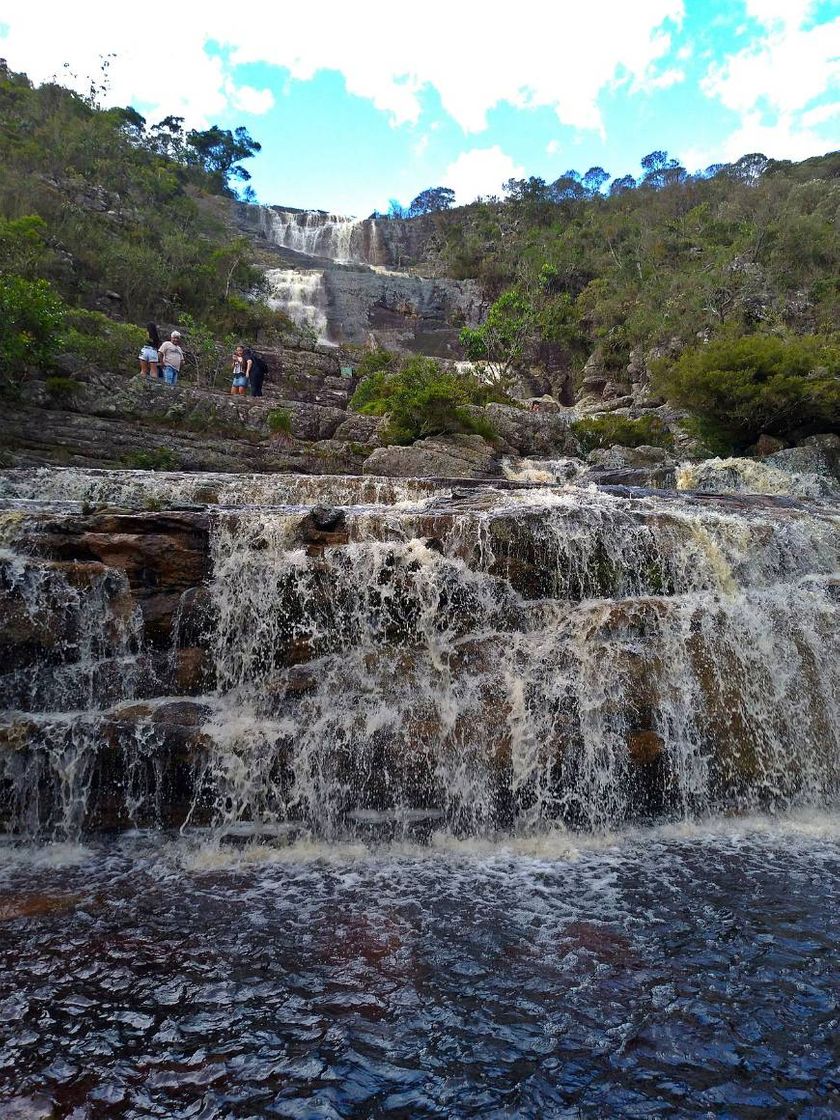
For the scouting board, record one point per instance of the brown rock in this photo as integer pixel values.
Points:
(767, 445)
(644, 747)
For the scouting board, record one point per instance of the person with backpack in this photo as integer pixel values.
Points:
(256, 368)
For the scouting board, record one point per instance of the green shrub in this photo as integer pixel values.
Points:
(280, 421)
(423, 399)
(102, 342)
(61, 388)
(158, 459)
(741, 387)
(595, 432)
(31, 321)
(372, 361)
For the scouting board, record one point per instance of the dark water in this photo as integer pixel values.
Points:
(673, 973)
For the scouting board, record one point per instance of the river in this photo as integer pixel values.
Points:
(337, 797)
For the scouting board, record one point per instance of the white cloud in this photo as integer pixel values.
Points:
(550, 55)
(785, 139)
(787, 12)
(421, 146)
(823, 113)
(666, 79)
(553, 147)
(250, 100)
(785, 70)
(772, 83)
(480, 171)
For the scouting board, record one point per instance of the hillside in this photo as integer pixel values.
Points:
(717, 293)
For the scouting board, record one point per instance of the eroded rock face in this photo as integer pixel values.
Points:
(818, 455)
(480, 650)
(160, 554)
(455, 456)
(633, 466)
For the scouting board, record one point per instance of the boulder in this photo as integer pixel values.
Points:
(618, 457)
(449, 456)
(360, 429)
(546, 434)
(767, 445)
(819, 454)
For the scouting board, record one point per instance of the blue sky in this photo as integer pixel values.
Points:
(354, 105)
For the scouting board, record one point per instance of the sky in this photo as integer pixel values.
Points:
(355, 103)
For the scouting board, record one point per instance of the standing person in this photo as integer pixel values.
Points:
(256, 371)
(149, 353)
(240, 373)
(171, 357)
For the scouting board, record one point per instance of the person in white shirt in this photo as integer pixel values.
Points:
(171, 357)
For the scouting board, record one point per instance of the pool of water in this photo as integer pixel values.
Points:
(680, 971)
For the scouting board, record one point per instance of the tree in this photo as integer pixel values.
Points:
(396, 209)
(431, 200)
(132, 123)
(31, 318)
(501, 339)
(22, 248)
(594, 179)
(568, 188)
(166, 138)
(622, 186)
(749, 169)
(218, 151)
(660, 171)
(527, 190)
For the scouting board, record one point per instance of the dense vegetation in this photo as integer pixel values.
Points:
(103, 215)
(748, 250)
(594, 432)
(420, 398)
(739, 388)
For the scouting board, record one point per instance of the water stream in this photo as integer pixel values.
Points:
(512, 799)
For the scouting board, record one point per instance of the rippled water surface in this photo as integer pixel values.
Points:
(688, 972)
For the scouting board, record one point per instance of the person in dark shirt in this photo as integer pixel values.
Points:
(256, 371)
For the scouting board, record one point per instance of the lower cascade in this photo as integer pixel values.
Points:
(359, 657)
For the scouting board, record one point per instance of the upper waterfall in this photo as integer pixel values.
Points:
(315, 233)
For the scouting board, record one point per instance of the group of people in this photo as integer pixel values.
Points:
(161, 361)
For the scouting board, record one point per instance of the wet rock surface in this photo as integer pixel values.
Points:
(377, 645)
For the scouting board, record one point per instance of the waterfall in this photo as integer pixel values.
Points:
(301, 295)
(317, 234)
(483, 658)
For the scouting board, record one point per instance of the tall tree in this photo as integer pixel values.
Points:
(431, 200)
(218, 151)
(594, 179)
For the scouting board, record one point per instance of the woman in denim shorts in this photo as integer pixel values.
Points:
(240, 378)
(148, 355)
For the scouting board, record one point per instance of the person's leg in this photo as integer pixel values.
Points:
(153, 370)
(144, 368)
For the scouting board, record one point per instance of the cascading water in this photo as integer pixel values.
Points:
(494, 799)
(301, 295)
(469, 659)
(318, 234)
